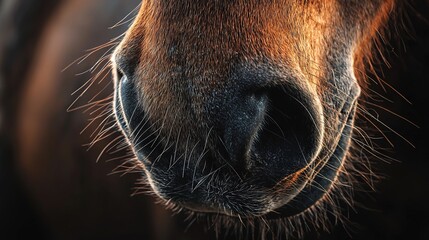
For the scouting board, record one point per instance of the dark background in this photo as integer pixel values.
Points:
(90, 203)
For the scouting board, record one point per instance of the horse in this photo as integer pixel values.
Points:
(245, 109)
(245, 114)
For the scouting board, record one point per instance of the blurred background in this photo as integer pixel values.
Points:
(53, 187)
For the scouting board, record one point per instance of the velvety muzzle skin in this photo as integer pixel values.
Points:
(244, 108)
(257, 183)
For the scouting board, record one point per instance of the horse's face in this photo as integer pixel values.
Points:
(243, 107)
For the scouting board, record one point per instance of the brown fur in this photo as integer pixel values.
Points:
(206, 37)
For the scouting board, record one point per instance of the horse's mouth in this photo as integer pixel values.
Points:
(220, 190)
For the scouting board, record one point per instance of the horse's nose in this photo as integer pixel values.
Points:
(267, 123)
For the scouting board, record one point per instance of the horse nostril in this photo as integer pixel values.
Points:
(131, 115)
(127, 99)
(290, 136)
(272, 131)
